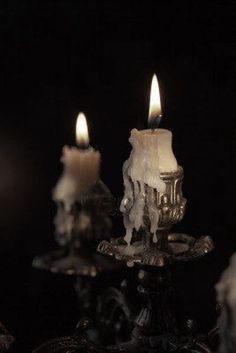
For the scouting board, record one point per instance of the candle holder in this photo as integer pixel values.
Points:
(76, 255)
(89, 221)
(156, 327)
(168, 248)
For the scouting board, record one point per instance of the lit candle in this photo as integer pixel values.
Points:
(82, 135)
(81, 168)
(151, 155)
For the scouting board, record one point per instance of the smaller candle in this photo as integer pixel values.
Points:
(81, 167)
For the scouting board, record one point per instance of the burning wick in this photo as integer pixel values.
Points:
(82, 135)
(154, 116)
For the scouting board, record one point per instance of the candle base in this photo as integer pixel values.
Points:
(179, 248)
(156, 328)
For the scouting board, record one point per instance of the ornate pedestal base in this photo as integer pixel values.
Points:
(156, 329)
(97, 279)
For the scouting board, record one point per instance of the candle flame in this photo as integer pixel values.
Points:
(155, 103)
(82, 135)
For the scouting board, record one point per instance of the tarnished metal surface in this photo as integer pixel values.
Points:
(183, 248)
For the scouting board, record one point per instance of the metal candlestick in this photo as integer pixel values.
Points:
(170, 248)
(156, 327)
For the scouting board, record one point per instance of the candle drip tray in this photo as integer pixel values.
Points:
(61, 261)
(181, 248)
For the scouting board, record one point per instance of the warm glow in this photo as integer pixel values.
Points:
(155, 102)
(82, 136)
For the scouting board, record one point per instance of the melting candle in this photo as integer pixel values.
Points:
(81, 168)
(151, 155)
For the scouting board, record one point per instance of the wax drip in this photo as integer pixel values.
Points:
(152, 212)
(134, 202)
(137, 210)
(64, 224)
(127, 203)
(133, 207)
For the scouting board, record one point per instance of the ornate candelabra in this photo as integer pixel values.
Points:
(152, 204)
(156, 328)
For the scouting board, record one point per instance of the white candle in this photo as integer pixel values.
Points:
(81, 168)
(151, 155)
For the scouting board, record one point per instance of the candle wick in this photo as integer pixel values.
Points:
(155, 122)
(159, 120)
(83, 146)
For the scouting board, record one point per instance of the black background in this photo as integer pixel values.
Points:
(60, 57)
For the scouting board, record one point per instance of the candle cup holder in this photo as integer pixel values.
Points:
(168, 248)
(89, 221)
(171, 209)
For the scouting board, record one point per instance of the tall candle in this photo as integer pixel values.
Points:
(81, 168)
(151, 155)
